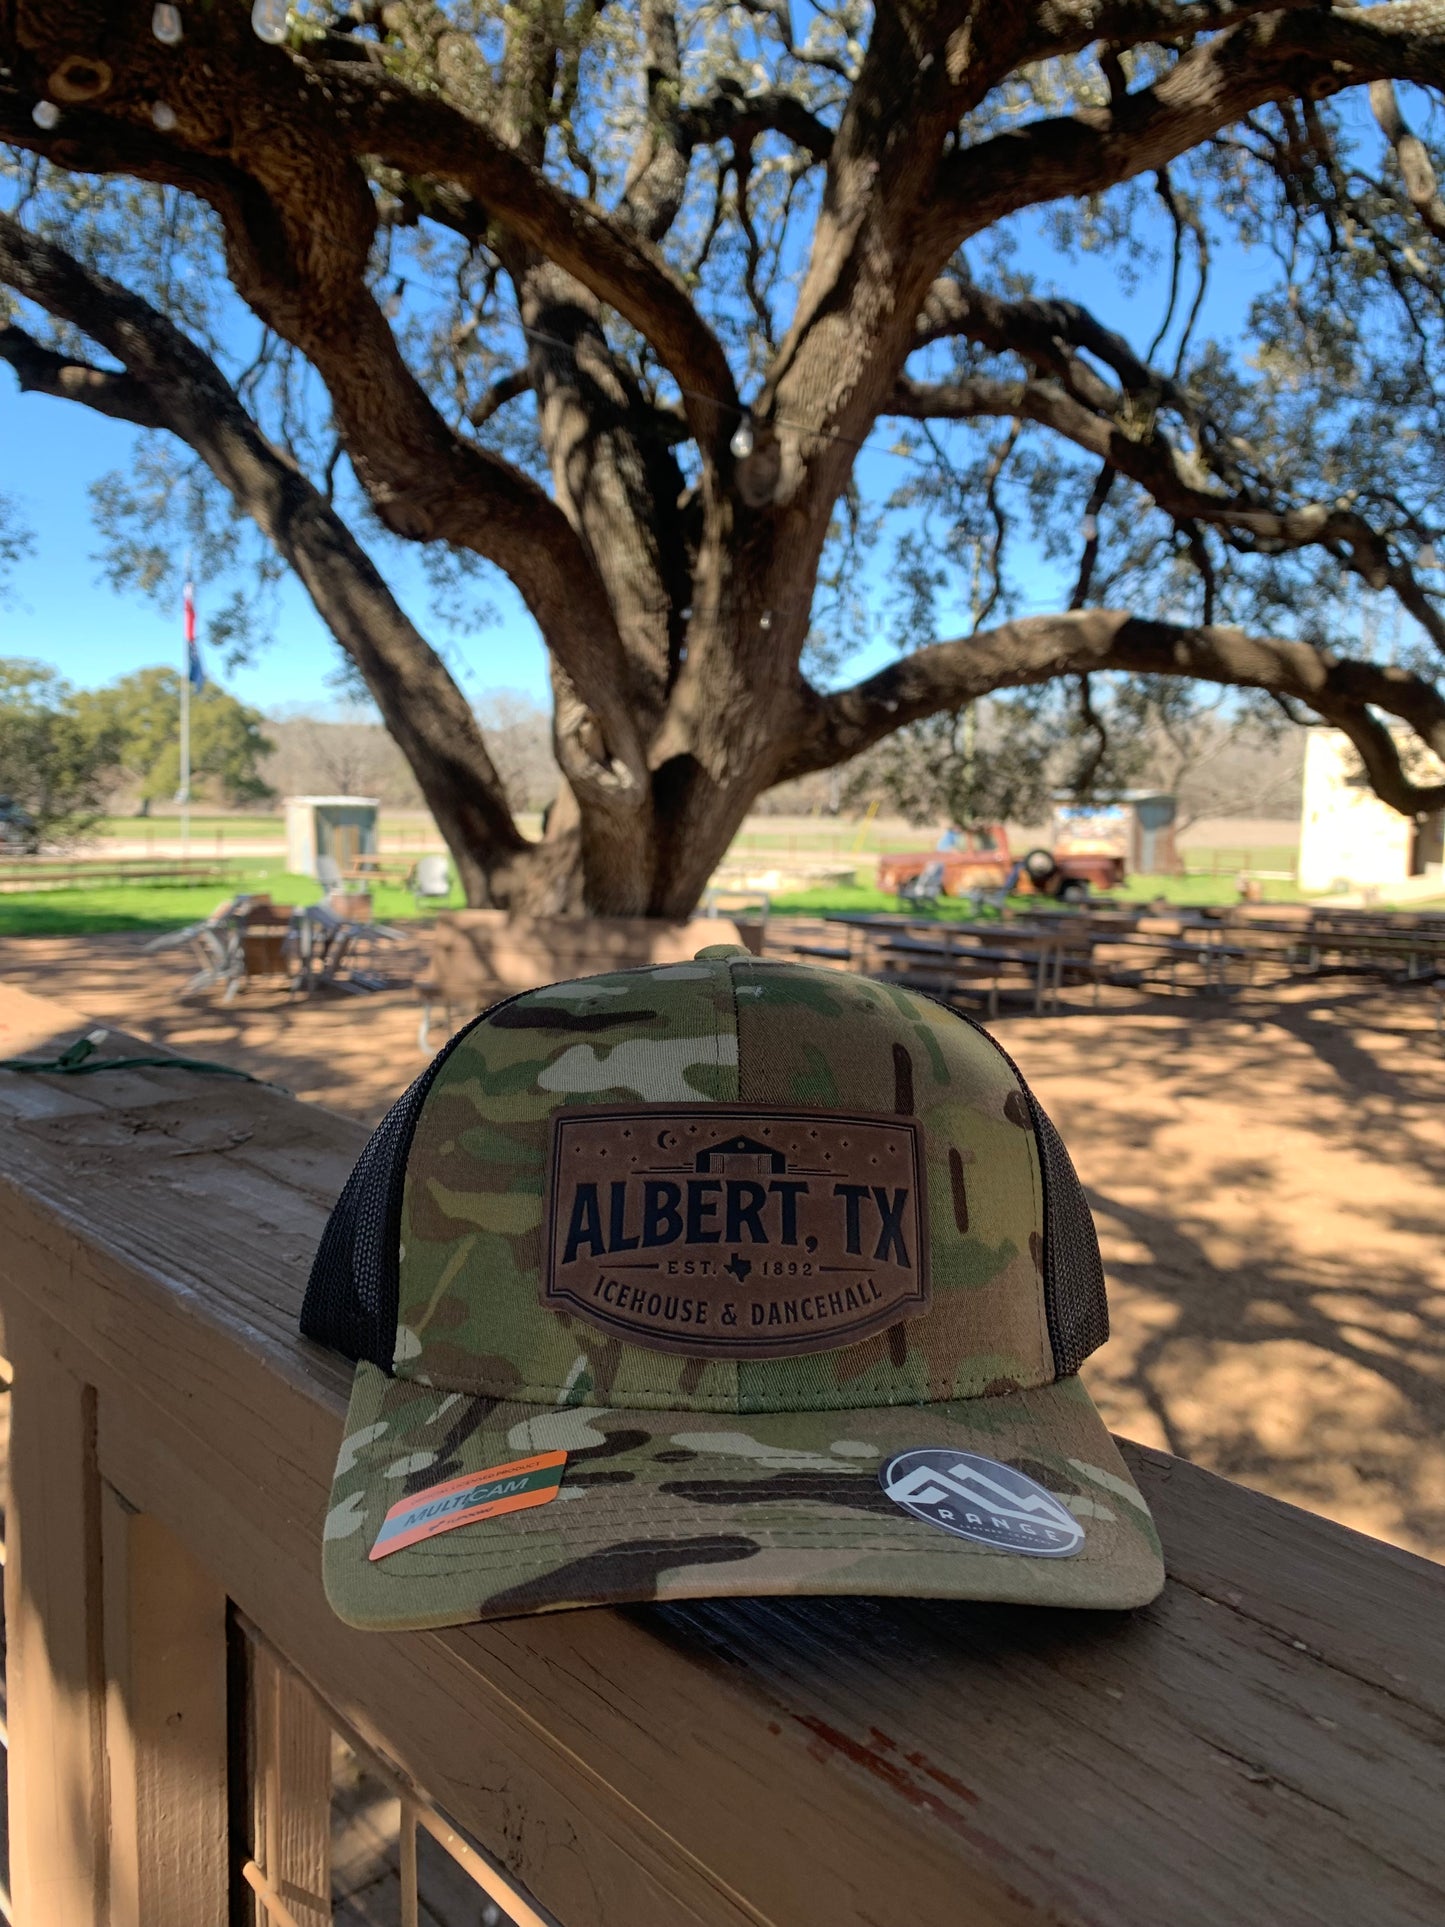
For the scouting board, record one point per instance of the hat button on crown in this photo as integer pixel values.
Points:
(714, 952)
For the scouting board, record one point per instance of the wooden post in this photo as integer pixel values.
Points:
(165, 1726)
(53, 1663)
(293, 1791)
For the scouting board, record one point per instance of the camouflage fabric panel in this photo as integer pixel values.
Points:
(470, 1311)
(471, 1316)
(824, 1038)
(659, 1505)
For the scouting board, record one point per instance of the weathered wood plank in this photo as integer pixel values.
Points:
(1264, 1743)
(54, 1687)
(165, 1727)
(1358, 1605)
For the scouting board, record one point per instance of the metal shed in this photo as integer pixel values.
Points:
(1137, 825)
(343, 827)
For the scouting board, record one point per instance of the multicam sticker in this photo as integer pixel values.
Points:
(736, 1231)
(464, 1501)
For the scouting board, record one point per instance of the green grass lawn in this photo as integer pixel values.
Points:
(204, 829)
(1230, 859)
(168, 906)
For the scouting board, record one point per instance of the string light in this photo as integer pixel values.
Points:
(166, 24)
(1426, 557)
(268, 21)
(742, 441)
(1091, 528)
(163, 116)
(45, 114)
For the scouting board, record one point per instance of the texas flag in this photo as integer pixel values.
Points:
(194, 672)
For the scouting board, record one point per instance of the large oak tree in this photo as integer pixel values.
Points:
(611, 296)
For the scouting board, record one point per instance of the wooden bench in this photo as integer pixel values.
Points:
(1264, 1744)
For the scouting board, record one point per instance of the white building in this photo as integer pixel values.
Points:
(1349, 839)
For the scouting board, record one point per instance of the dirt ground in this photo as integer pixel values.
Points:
(1266, 1172)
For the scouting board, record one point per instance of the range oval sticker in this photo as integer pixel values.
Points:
(731, 1231)
(978, 1498)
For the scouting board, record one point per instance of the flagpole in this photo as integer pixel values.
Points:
(185, 789)
(187, 673)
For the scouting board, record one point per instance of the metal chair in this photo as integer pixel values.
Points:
(330, 948)
(924, 890)
(430, 880)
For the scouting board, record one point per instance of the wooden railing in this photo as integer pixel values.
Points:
(1262, 1745)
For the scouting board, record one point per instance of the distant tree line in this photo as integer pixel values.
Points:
(1001, 760)
(68, 756)
(351, 754)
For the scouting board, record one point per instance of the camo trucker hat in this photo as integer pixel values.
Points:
(714, 1278)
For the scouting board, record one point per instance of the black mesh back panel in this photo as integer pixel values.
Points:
(351, 1296)
(1074, 1300)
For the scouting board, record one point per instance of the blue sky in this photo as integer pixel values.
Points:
(60, 611)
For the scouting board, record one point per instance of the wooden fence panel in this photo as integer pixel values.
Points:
(165, 1727)
(54, 1671)
(292, 1775)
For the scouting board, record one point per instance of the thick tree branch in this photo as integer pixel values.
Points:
(1410, 157)
(657, 175)
(1037, 649)
(1277, 56)
(732, 114)
(517, 381)
(1068, 26)
(305, 279)
(169, 383)
(41, 371)
(1048, 331)
(433, 141)
(1123, 428)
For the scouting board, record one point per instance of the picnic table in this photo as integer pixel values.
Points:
(378, 869)
(1414, 944)
(947, 955)
(1183, 939)
(1263, 1744)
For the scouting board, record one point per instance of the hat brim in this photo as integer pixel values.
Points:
(694, 1505)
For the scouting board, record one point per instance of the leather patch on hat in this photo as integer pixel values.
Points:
(735, 1231)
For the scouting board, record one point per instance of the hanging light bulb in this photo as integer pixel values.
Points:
(166, 24)
(268, 20)
(742, 441)
(1426, 556)
(1091, 528)
(163, 116)
(45, 114)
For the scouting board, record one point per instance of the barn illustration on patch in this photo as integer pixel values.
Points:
(740, 1157)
